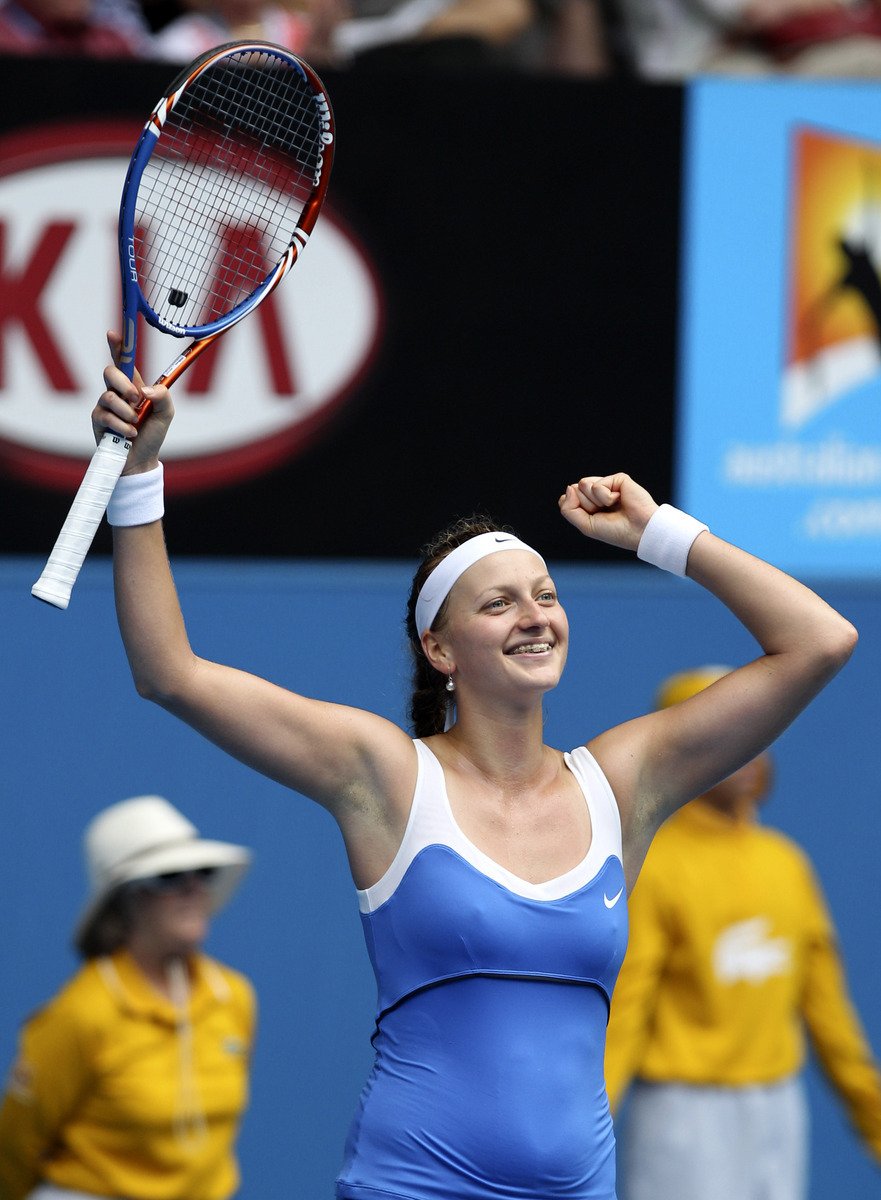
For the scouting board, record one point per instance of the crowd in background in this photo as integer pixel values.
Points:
(646, 39)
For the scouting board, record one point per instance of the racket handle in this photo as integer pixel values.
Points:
(86, 513)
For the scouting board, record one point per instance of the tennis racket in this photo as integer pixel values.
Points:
(221, 195)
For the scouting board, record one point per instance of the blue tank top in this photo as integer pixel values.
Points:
(493, 999)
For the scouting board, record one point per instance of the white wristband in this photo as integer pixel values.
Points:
(667, 539)
(137, 499)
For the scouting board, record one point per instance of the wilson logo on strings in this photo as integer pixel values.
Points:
(256, 398)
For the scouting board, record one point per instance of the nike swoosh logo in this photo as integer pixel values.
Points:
(611, 903)
(504, 539)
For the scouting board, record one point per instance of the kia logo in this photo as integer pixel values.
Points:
(257, 397)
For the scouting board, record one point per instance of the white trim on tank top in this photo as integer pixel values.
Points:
(434, 824)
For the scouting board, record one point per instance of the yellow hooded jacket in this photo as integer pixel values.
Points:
(116, 1092)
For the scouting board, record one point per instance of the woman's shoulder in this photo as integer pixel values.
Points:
(228, 983)
(587, 767)
(785, 849)
(86, 982)
(82, 1002)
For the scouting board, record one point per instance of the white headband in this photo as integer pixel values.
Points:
(440, 582)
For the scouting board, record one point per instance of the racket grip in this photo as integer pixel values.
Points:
(86, 513)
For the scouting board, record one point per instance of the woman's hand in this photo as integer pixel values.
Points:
(117, 410)
(609, 508)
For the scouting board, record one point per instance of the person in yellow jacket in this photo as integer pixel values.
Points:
(132, 1081)
(732, 961)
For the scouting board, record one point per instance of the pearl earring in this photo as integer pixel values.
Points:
(451, 686)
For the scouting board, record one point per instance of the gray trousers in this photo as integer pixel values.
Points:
(48, 1191)
(678, 1142)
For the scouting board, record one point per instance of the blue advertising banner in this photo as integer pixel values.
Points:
(779, 437)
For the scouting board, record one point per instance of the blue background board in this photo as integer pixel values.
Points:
(75, 737)
(738, 208)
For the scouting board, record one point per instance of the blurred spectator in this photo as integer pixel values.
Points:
(159, 13)
(676, 39)
(303, 30)
(129, 15)
(567, 38)
(434, 33)
(578, 41)
(732, 960)
(91, 27)
(132, 1080)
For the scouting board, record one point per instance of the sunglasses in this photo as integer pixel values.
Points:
(174, 881)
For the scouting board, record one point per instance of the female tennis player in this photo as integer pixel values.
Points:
(491, 868)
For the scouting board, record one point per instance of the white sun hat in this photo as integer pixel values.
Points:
(146, 836)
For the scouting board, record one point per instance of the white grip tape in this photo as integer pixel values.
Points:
(79, 529)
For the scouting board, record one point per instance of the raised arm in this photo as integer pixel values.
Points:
(358, 765)
(664, 759)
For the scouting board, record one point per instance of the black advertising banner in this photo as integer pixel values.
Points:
(487, 310)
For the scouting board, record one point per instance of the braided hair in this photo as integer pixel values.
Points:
(429, 697)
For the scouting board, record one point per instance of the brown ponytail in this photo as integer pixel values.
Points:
(428, 699)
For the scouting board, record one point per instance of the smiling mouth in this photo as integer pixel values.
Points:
(532, 648)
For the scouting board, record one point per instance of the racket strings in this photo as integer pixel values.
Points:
(223, 192)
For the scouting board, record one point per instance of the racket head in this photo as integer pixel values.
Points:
(223, 190)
